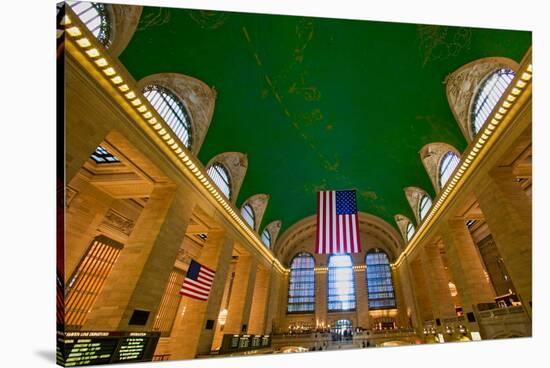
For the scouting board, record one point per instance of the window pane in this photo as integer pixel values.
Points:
(248, 215)
(266, 238)
(301, 287)
(102, 156)
(95, 17)
(341, 284)
(448, 164)
(379, 281)
(488, 95)
(171, 110)
(219, 175)
(425, 205)
(410, 231)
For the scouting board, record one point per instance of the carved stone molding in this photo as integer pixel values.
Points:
(402, 223)
(124, 21)
(236, 164)
(115, 221)
(462, 85)
(431, 156)
(273, 228)
(199, 101)
(414, 195)
(258, 202)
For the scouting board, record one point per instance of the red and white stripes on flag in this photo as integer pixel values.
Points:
(337, 222)
(198, 281)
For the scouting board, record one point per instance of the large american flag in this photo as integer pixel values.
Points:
(337, 223)
(198, 281)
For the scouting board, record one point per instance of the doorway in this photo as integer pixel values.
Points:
(342, 330)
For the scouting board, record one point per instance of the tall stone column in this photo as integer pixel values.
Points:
(241, 297)
(279, 303)
(361, 298)
(409, 294)
(273, 297)
(138, 279)
(260, 298)
(321, 299)
(403, 318)
(507, 210)
(438, 282)
(421, 291)
(192, 333)
(466, 267)
(83, 216)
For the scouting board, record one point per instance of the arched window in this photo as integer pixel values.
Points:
(447, 167)
(424, 207)
(341, 284)
(301, 285)
(489, 92)
(410, 231)
(266, 238)
(171, 109)
(248, 214)
(379, 280)
(218, 173)
(95, 17)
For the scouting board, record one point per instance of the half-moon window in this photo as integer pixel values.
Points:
(171, 109)
(489, 93)
(95, 17)
(447, 167)
(248, 214)
(424, 208)
(266, 238)
(218, 173)
(410, 231)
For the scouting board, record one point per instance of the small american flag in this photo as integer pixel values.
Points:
(198, 281)
(337, 222)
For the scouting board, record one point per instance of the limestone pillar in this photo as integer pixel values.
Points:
(361, 298)
(472, 283)
(241, 296)
(194, 326)
(83, 216)
(321, 299)
(276, 280)
(279, 308)
(258, 309)
(138, 279)
(437, 282)
(507, 210)
(420, 284)
(402, 317)
(409, 296)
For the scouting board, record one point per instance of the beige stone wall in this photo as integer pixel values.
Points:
(149, 206)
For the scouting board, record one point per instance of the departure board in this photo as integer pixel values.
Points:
(99, 347)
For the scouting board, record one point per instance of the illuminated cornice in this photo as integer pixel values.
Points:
(501, 117)
(117, 82)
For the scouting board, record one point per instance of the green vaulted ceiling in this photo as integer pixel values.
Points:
(319, 103)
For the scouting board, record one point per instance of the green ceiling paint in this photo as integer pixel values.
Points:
(319, 103)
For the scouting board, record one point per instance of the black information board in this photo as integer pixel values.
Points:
(238, 343)
(101, 347)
